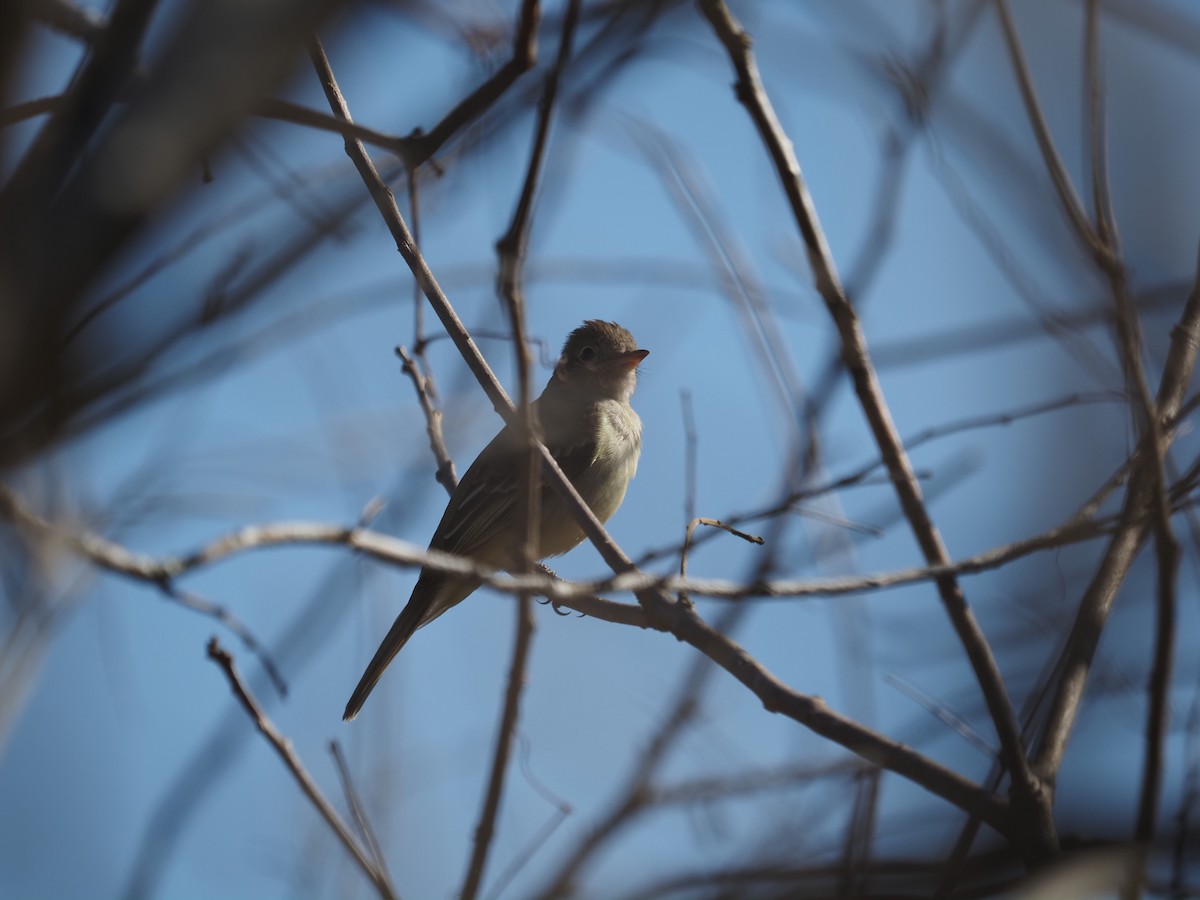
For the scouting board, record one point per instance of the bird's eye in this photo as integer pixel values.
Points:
(586, 354)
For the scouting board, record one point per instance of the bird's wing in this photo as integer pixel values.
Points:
(485, 502)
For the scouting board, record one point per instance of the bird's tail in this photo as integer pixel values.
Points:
(432, 596)
(402, 629)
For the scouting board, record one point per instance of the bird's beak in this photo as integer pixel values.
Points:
(629, 360)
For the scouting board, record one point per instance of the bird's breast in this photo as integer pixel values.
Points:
(602, 484)
(618, 447)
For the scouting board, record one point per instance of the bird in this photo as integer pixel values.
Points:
(595, 437)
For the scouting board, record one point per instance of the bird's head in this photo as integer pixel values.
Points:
(599, 358)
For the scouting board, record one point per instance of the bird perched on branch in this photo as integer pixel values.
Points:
(595, 437)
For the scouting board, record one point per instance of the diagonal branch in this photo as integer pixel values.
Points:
(1149, 422)
(1132, 528)
(1038, 829)
(1070, 201)
(445, 475)
(1106, 220)
(361, 822)
(524, 55)
(377, 874)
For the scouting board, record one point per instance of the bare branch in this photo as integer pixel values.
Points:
(1106, 222)
(223, 615)
(283, 747)
(524, 56)
(286, 111)
(1054, 166)
(687, 543)
(365, 831)
(579, 595)
(691, 443)
(446, 476)
(562, 809)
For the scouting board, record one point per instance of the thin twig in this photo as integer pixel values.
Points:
(446, 475)
(418, 148)
(267, 108)
(1054, 166)
(856, 855)
(422, 375)
(223, 615)
(942, 713)
(283, 747)
(691, 444)
(687, 543)
(562, 809)
(361, 822)
(418, 301)
(1093, 77)
(286, 111)
(716, 523)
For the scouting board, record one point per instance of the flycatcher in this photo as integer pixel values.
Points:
(595, 437)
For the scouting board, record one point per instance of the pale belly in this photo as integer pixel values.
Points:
(602, 485)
